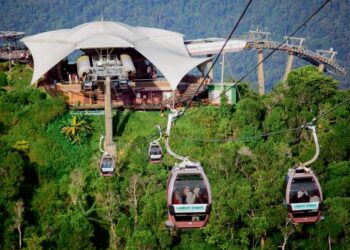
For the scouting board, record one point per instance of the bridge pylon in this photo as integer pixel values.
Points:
(297, 43)
(329, 54)
(257, 36)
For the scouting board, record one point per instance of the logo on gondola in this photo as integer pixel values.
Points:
(192, 208)
(305, 206)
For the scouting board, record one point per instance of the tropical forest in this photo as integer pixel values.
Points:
(52, 195)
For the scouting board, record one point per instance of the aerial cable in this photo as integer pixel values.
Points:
(331, 110)
(148, 139)
(217, 57)
(314, 120)
(249, 72)
(266, 57)
(249, 138)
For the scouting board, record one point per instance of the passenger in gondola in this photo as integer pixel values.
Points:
(314, 197)
(177, 199)
(303, 196)
(196, 191)
(190, 197)
(184, 193)
(202, 197)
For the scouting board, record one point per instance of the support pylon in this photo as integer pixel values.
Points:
(321, 67)
(330, 54)
(296, 42)
(109, 145)
(261, 81)
(289, 66)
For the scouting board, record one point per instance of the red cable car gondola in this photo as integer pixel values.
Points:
(188, 190)
(303, 194)
(188, 196)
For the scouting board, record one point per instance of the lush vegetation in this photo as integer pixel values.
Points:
(52, 196)
(199, 19)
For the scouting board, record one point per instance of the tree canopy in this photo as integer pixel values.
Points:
(67, 205)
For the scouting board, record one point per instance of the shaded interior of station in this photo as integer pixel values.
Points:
(139, 83)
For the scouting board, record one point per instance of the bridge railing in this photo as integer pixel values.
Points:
(306, 54)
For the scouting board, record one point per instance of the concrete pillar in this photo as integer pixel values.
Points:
(109, 145)
(289, 66)
(222, 73)
(321, 67)
(261, 82)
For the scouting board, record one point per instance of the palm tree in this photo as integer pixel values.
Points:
(77, 130)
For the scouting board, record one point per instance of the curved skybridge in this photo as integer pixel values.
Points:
(261, 40)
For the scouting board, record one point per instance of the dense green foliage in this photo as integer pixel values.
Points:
(199, 19)
(76, 129)
(67, 205)
(19, 76)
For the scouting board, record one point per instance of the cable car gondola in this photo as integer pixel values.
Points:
(107, 165)
(188, 196)
(155, 152)
(303, 196)
(107, 162)
(188, 190)
(303, 191)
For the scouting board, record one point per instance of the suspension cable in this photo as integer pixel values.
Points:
(266, 57)
(249, 138)
(217, 57)
(249, 72)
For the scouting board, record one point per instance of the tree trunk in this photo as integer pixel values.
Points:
(114, 240)
(134, 190)
(287, 232)
(20, 237)
(329, 242)
(19, 208)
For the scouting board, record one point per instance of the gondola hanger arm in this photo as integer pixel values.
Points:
(101, 139)
(160, 133)
(171, 117)
(312, 127)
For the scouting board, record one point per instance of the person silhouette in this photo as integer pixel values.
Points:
(303, 196)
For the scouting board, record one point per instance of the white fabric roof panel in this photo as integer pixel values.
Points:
(165, 49)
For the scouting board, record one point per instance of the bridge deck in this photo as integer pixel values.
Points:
(308, 55)
(239, 43)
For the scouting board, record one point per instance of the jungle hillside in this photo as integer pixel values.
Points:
(52, 196)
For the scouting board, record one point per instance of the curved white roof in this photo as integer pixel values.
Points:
(165, 49)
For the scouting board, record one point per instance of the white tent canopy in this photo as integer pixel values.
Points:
(165, 49)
